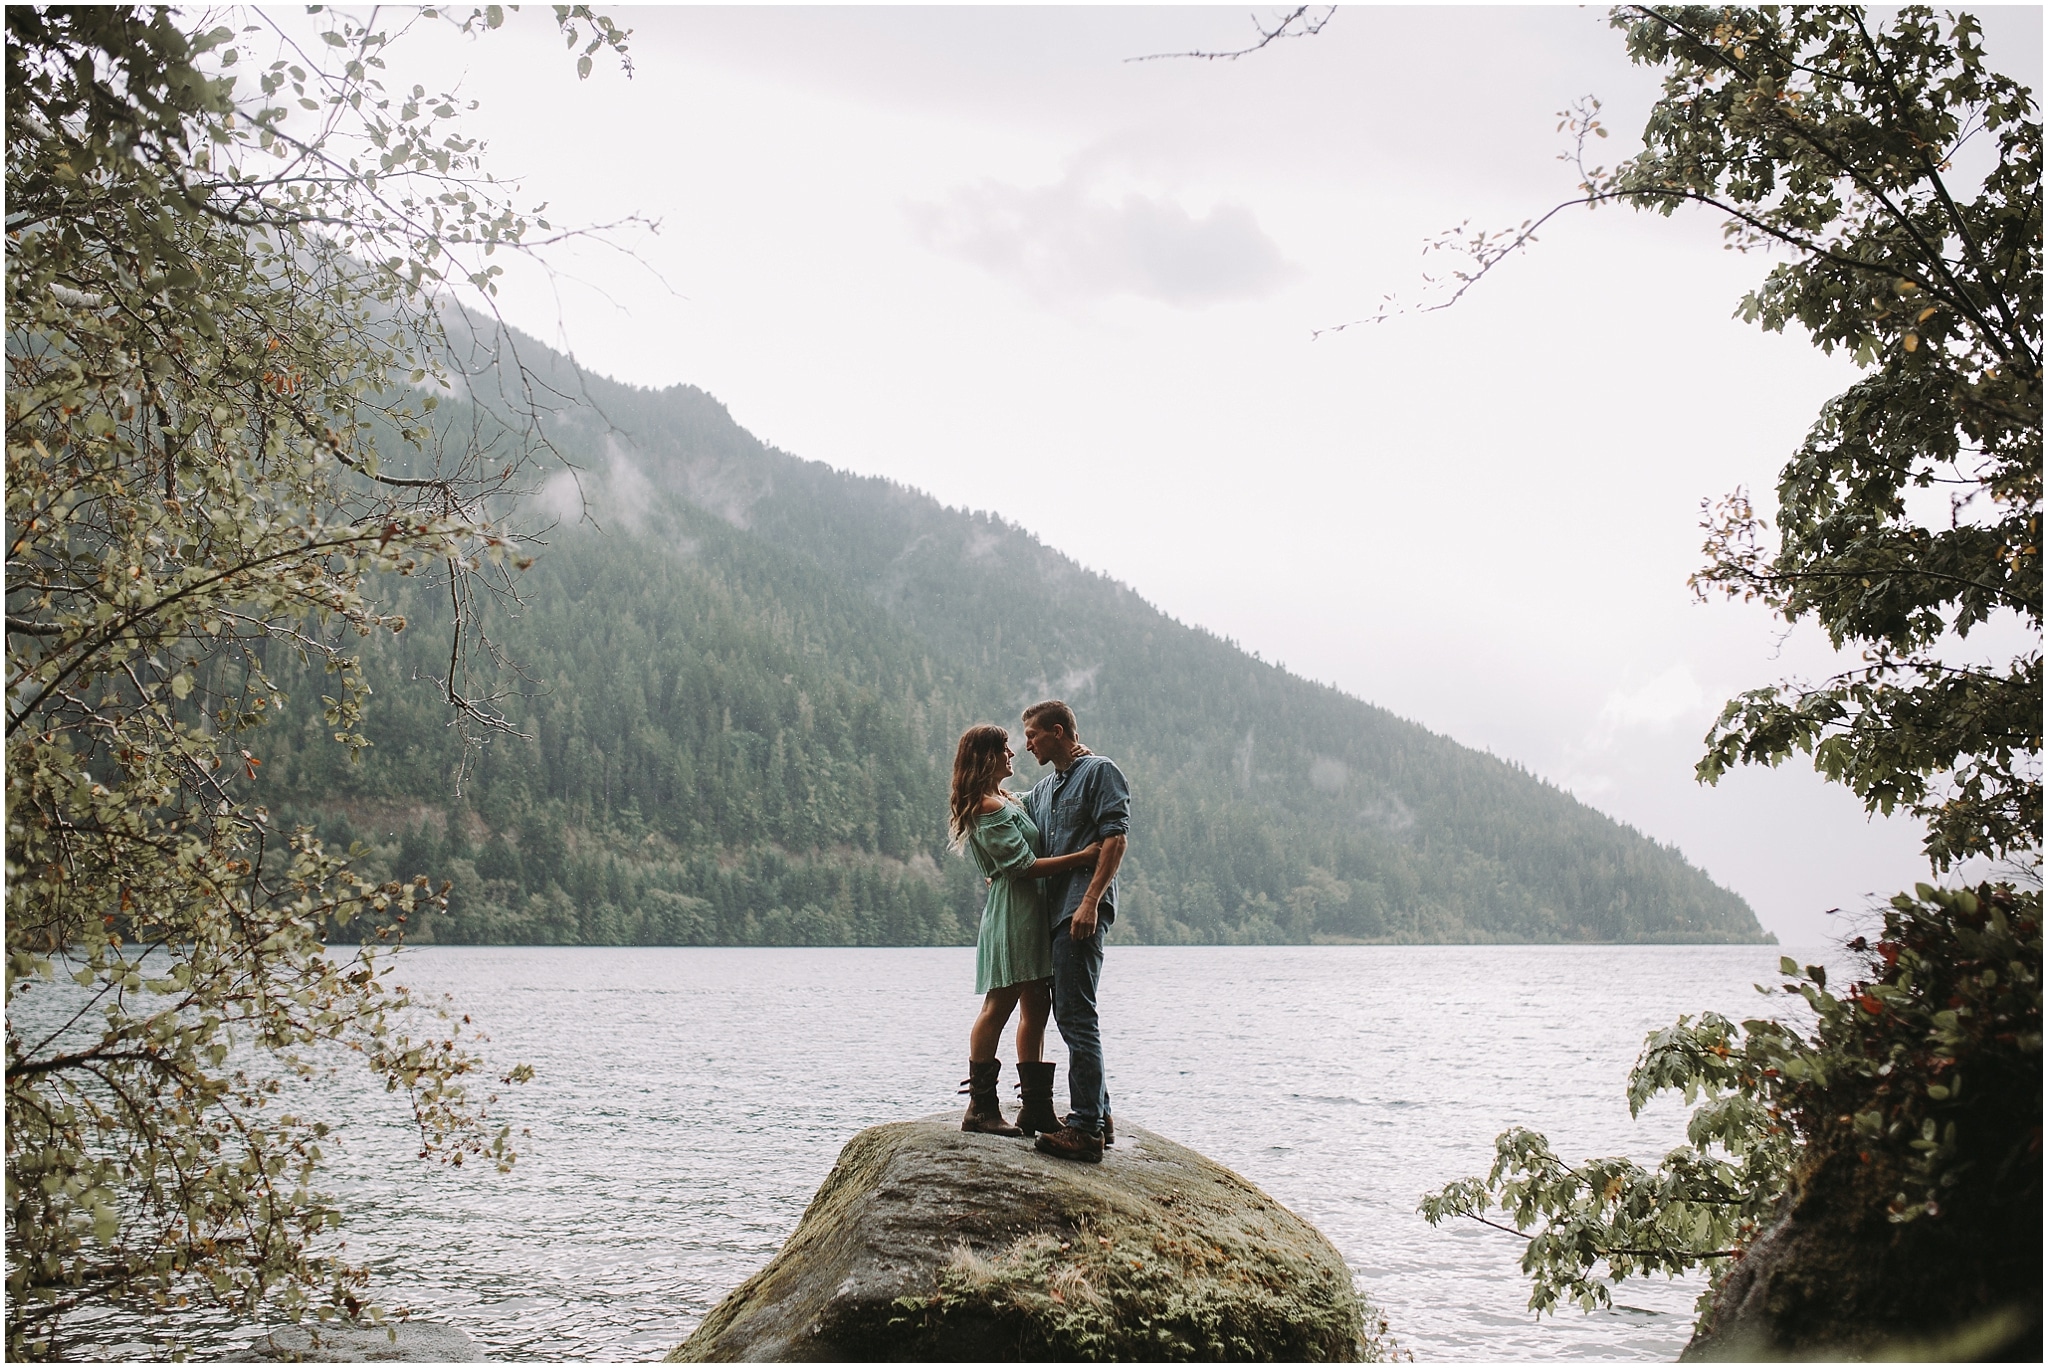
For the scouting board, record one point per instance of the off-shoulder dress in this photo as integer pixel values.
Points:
(1016, 940)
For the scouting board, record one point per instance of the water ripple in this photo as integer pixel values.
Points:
(687, 1102)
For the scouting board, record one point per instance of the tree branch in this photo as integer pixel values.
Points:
(1309, 28)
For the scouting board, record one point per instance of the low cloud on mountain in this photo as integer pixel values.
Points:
(1066, 242)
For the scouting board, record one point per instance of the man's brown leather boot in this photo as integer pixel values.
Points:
(1068, 1143)
(984, 1113)
(1035, 1082)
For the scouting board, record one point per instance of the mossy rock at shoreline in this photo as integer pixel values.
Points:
(927, 1243)
(1835, 1278)
(392, 1342)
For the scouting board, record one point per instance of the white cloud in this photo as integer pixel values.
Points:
(1671, 697)
(1065, 242)
(1635, 723)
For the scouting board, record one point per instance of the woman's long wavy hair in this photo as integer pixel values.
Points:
(977, 772)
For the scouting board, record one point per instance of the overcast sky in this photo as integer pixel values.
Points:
(980, 252)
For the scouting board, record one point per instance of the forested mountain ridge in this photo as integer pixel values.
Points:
(742, 701)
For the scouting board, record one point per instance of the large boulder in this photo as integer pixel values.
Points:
(928, 1243)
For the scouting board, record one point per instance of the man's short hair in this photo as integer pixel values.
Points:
(1053, 713)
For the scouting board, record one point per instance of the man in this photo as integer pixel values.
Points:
(1085, 799)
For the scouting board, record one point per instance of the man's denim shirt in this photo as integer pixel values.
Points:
(1088, 803)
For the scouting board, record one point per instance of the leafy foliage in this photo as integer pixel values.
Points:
(220, 373)
(1835, 142)
(1953, 992)
(1702, 1203)
(1930, 1070)
(1816, 131)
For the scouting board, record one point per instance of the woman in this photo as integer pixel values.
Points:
(1013, 961)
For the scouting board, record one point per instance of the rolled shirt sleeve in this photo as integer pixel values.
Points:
(1110, 803)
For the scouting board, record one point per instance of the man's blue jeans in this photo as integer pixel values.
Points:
(1076, 970)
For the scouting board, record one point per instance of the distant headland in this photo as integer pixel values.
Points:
(739, 702)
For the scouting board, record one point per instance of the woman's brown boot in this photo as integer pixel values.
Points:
(1035, 1082)
(984, 1114)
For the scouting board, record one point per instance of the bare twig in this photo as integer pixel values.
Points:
(1297, 23)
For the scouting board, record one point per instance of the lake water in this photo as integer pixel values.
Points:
(687, 1103)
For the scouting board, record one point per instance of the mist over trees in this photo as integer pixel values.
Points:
(739, 699)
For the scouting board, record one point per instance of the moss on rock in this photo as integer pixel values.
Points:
(927, 1243)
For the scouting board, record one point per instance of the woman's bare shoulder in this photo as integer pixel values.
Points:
(991, 805)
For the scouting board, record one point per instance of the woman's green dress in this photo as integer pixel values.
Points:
(1016, 940)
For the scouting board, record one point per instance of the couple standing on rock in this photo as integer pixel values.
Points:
(1051, 859)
